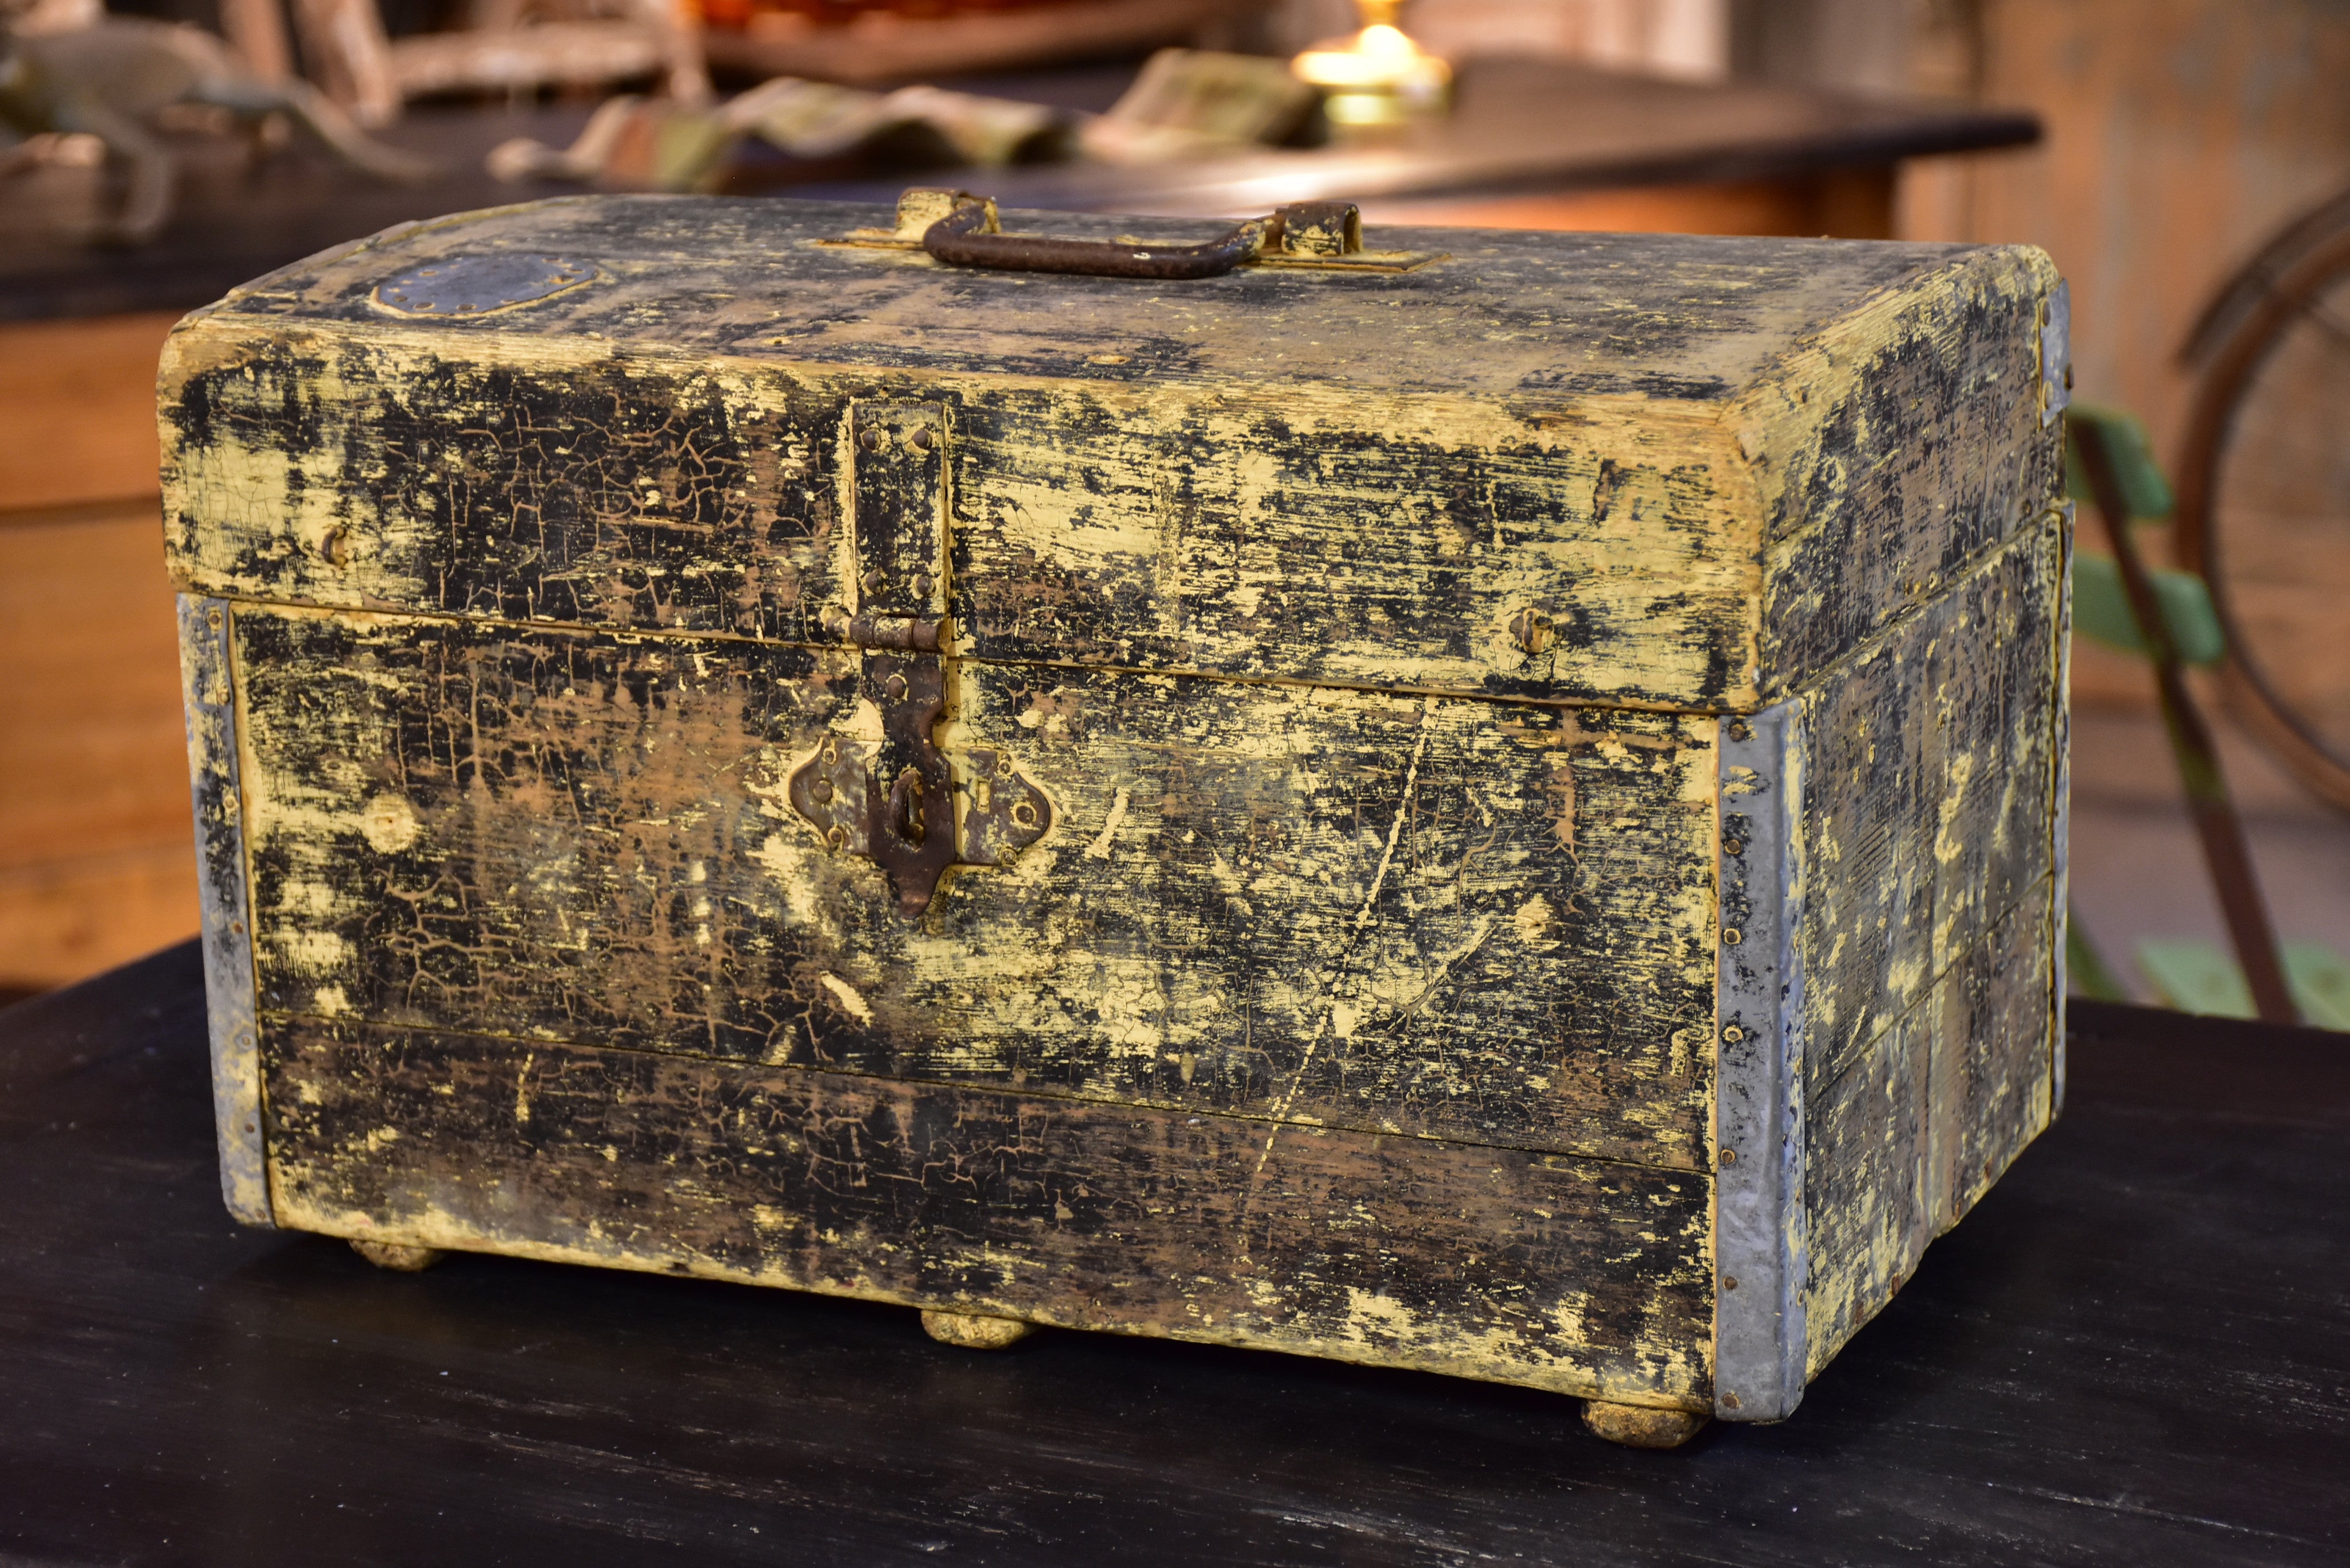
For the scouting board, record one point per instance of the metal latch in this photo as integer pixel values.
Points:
(899, 800)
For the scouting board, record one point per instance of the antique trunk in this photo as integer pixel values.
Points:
(1491, 804)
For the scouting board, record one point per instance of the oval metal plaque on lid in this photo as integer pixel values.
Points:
(478, 285)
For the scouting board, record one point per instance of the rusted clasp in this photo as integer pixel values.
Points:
(899, 800)
(960, 229)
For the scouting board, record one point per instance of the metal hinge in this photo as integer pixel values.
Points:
(899, 800)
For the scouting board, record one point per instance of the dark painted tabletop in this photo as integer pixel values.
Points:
(1520, 125)
(2135, 1350)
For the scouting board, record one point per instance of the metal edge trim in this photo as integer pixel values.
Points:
(2055, 353)
(208, 691)
(2061, 823)
(1760, 1343)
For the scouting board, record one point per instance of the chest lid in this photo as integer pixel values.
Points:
(1653, 470)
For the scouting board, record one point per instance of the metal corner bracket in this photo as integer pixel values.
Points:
(208, 688)
(1760, 1261)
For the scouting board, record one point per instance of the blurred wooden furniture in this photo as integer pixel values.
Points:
(507, 45)
(878, 47)
(96, 859)
(1545, 145)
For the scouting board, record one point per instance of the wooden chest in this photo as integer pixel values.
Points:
(1499, 812)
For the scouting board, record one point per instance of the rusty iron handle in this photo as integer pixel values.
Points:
(960, 239)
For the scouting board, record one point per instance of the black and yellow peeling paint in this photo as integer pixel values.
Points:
(1582, 1276)
(1369, 640)
(1925, 933)
(1414, 915)
(1929, 767)
(1299, 535)
(1896, 448)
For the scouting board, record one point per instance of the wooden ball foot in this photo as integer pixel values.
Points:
(1641, 1426)
(398, 1255)
(972, 1331)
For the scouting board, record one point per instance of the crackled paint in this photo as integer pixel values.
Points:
(1369, 640)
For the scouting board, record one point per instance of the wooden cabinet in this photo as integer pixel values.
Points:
(96, 859)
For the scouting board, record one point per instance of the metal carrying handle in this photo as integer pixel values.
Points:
(966, 237)
(960, 230)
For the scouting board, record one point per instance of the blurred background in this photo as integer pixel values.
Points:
(2183, 161)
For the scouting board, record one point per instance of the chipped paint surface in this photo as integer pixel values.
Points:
(1167, 527)
(1582, 1276)
(1929, 928)
(1324, 906)
(1368, 637)
(1930, 767)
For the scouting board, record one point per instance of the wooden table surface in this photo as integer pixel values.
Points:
(1534, 125)
(1527, 126)
(2136, 1350)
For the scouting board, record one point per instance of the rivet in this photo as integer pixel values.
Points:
(1733, 1034)
(1730, 1281)
(922, 438)
(896, 686)
(1730, 935)
(1741, 731)
(870, 439)
(1734, 846)
(874, 581)
(922, 585)
(836, 837)
(821, 790)
(212, 618)
(1730, 1157)
(1730, 1399)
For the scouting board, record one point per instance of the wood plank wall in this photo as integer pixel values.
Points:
(96, 863)
(2181, 135)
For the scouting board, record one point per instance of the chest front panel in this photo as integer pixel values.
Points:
(1410, 914)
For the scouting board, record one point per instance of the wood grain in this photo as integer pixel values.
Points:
(1906, 1141)
(1929, 768)
(77, 403)
(95, 865)
(1899, 446)
(1394, 913)
(1140, 479)
(1581, 1277)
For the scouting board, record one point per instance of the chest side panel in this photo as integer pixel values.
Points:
(1587, 1277)
(1423, 915)
(1601, 549)
(1928, 923)
(1929, 789)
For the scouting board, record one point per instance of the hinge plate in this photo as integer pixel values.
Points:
(899, 800)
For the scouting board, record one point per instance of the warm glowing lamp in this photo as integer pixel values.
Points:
(1377, 77)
